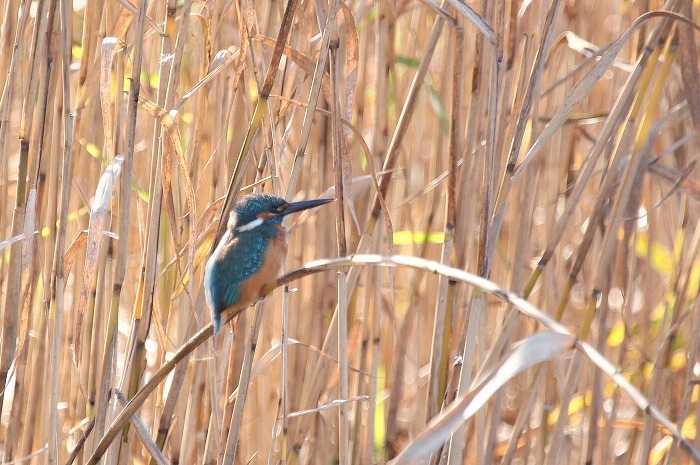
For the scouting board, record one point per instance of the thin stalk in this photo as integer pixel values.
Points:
(338, 155)
(234, 430)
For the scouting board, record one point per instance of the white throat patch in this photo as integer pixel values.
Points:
(252, 225)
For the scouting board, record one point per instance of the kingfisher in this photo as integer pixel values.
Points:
(247, 261)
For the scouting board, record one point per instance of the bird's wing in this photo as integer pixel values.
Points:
(229, 295)
(234, 266)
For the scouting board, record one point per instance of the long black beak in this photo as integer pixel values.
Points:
(304, 205)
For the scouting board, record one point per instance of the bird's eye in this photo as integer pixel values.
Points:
(277, 209)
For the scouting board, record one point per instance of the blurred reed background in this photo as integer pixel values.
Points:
(547, 145)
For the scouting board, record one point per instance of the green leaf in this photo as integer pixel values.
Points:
(379, 423)
(418, 237)
(439, 108)
(407, 61)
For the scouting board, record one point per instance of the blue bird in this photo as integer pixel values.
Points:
(245, 265)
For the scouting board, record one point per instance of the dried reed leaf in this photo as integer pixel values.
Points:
(222, 59)
(167, 200)
(583, 88)
(580, 45)
(351, 64)
(680, 180)
(333, 404)
(538, 348)
(678, 185)
(75, 247)
(352, 59)
(110, 47)
(474, 18)
(585, 48)
(301, 60)
(96, 227)
(26, 273)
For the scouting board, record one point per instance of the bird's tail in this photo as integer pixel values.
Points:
(217, 322)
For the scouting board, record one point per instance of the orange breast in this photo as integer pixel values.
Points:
(265, 279)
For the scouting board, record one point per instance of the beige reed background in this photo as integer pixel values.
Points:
(547, 145)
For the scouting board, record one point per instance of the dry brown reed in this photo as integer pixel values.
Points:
(545, 145)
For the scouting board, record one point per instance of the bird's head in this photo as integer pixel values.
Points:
(257, 209)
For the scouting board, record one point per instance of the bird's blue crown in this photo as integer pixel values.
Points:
(251, 206)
